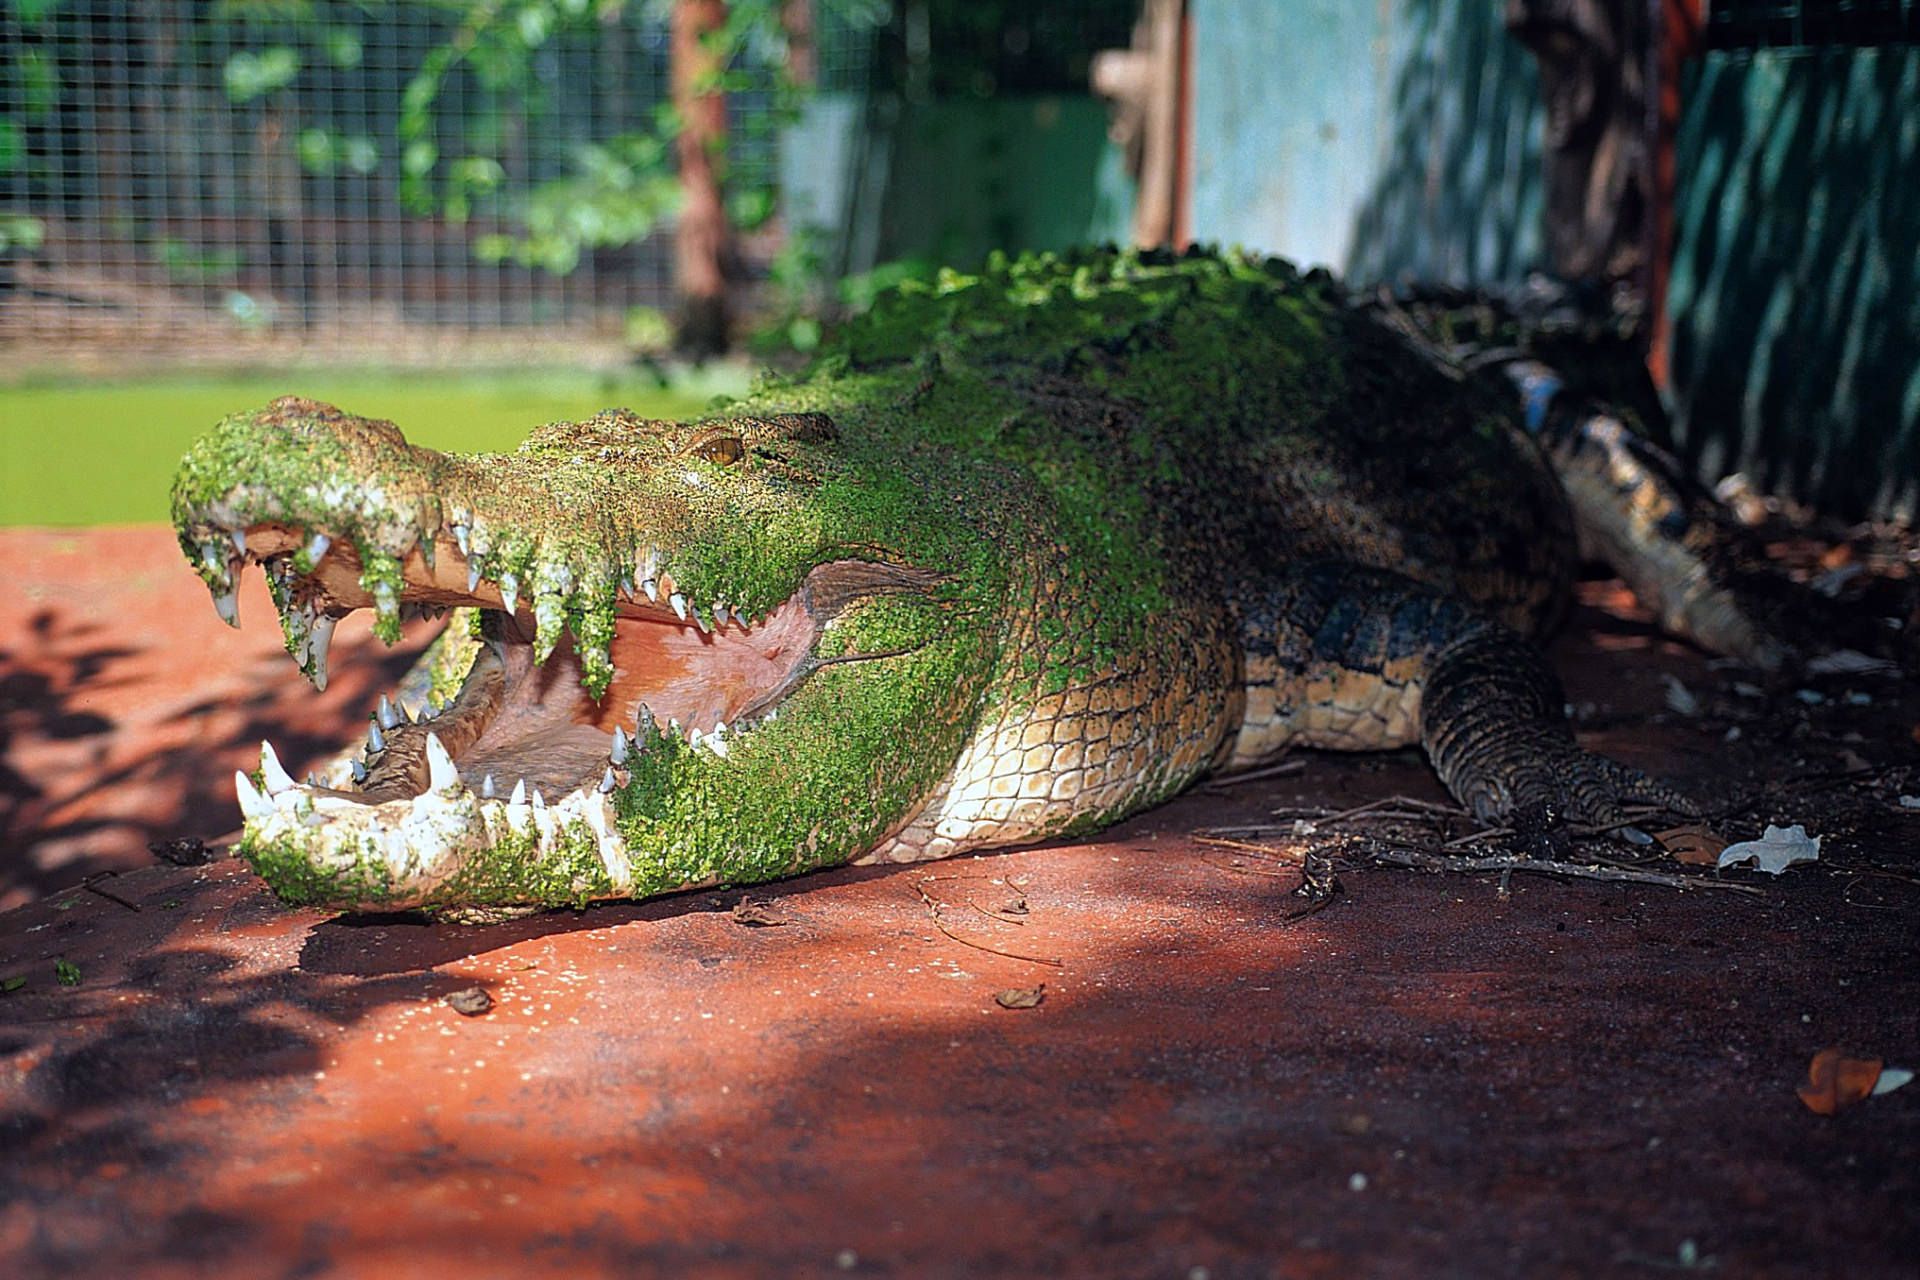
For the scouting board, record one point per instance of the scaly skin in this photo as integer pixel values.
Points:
(1076, 531)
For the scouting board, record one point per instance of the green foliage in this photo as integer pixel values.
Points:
(249, 75)
(190, 265)
(17, 231)
(618, 192)
(66, 973)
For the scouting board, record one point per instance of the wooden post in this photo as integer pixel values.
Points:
(703, 245)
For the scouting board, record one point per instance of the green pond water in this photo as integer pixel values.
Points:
(91, 453)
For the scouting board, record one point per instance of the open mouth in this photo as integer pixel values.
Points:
(545, 727)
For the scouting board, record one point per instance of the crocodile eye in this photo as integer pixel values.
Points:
(722, 450)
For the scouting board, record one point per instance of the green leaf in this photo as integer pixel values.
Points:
(318, 151)
(10, 985)
(253, 75)
(66, 973)
(419, 158)
(343, 47)
(13, 145)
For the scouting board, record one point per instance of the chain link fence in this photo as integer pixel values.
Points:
(408, 182)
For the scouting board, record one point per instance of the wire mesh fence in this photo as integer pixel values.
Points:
(419, 180)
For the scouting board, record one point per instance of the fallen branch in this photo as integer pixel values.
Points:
(1578, 870)
(933, 913)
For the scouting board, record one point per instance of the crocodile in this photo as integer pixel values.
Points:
(1022, 552)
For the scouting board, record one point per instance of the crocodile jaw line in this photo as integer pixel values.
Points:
(430, 795)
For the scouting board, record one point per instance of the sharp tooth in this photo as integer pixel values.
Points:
(424, 540)
(644, 722)
(376, 741)
(227, 605)
(460, 535)
(652, 589)
(253, 805)
(679, 603)
(473, 576)
(440, 771)
(608, 782)
(359, 770)
(276, 778)
(720, 729)
(486, 787)
(719, 615)
(389, 718)
(619, 753)
(316, 547)
(519, 795)
(509, 593)
(240, 542)
(693, 737)
(717, 745)
(318, 641)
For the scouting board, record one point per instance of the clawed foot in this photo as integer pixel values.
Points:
(1558, 787)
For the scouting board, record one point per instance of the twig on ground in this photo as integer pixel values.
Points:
(933, 913)
(1282, 769)
(1579, 870)
(89, 885)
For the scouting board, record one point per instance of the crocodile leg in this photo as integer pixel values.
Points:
(1358, 659)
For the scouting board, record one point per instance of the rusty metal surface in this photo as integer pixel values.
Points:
(1424, 1077)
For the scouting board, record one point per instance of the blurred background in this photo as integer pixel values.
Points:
(473, 216)
(604, 196)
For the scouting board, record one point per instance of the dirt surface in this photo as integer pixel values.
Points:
(1428, 1074)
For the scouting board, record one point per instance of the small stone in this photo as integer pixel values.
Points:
(471, 1002)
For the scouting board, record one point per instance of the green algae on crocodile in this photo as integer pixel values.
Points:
(1024, 552)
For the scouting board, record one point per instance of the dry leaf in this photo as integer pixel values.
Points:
(1775, 851)
(1835, 1081)
(1021, 997)
(1853, 762)
(470, 1002)
(1692, 843)
(757, 915)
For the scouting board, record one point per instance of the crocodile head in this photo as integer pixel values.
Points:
(682, 654)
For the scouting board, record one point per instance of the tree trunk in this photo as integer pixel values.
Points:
(704, 240)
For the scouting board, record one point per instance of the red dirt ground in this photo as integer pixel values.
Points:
(1427, 1076)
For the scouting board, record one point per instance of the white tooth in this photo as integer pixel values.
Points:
(276, 778)
(313, 780)
(376, 741)
(693, 737)
(619, 753)
(359, 770)
(385, 714)
(318, 641)
(719, 615)
(608, 782)
(253, 805)
(486, 787)
(539, 801)
(720, 729)
(473, 577)
(240, 542)
(772, 713)
(596, 816)
(440, 771)
(519, 795)
(644, 722)
(227, 605)
(317, 546)
(509, 593)
(460, 536)
(718, 745)
(652, 589)
(679, 603)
